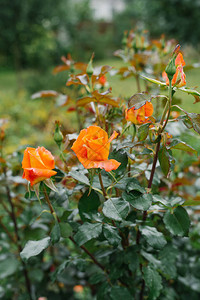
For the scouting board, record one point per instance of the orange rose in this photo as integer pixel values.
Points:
(78, 288)
(140, 115)
(37, 164)
(102, 80)
(179, 77)
(92, 149)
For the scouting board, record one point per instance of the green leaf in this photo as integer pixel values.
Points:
(191, 92)
(153, 237)
(55, 233)
(65, 230)
(153, 281)
(143, 131)
(87, 231)
(111, 234)
(33, 248)
(168, 257)
(8, 266)
(97, 277)
(164, 160)
(120, 156)
(116, 209)
(154, 81)
(138, 200)
(88, 203)
(134, 185)
(191, 282)
(193, 120)
(178, 221)
(60, 269)
(119, 293)
(131, 258)
(180, 145)
(79, 177)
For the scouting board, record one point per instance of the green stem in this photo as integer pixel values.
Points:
(50, 205)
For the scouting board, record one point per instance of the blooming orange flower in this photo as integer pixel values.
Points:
(78, 288)
(140, 115)
(37, 164)
(179, 76)
(102, 80)
(92, 149)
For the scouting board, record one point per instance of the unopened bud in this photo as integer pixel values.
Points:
(171, 68)
(90, 69)
(58, 136)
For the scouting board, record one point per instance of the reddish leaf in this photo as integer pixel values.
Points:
(45, 94)
(61, 68)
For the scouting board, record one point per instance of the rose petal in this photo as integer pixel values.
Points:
(35, 175)
(46, 157)
(107, 165)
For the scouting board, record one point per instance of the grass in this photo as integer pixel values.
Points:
(31, 122)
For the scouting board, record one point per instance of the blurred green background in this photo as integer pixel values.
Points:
(35, 34)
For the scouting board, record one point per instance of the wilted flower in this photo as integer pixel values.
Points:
(140, 115)
(179, 76)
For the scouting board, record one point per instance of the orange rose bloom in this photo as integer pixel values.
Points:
(102, 80)
(179, 75)
(92, 149)
(78, 288)
(37, 164)
(140, 115)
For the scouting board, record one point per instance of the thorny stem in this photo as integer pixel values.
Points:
(167, 107)
(13, 217)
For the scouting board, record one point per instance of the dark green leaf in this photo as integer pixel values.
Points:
(153, 237)
(134, 185)
(120, 156)
(131, 258)
(191, 282)
(143, 131)
(65, 229)
(119, 293)
(111, 234)
(79, 177)
(97, 277)
(87, 231)
(116, 209)
(55, 234)
(33, 248)
(138, 200)
(8, 266)
(178, 222)
(88, 203)
(168, 256)
(164, 160)
(153, 281)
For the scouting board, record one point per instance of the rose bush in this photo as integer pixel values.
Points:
(124, 222)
